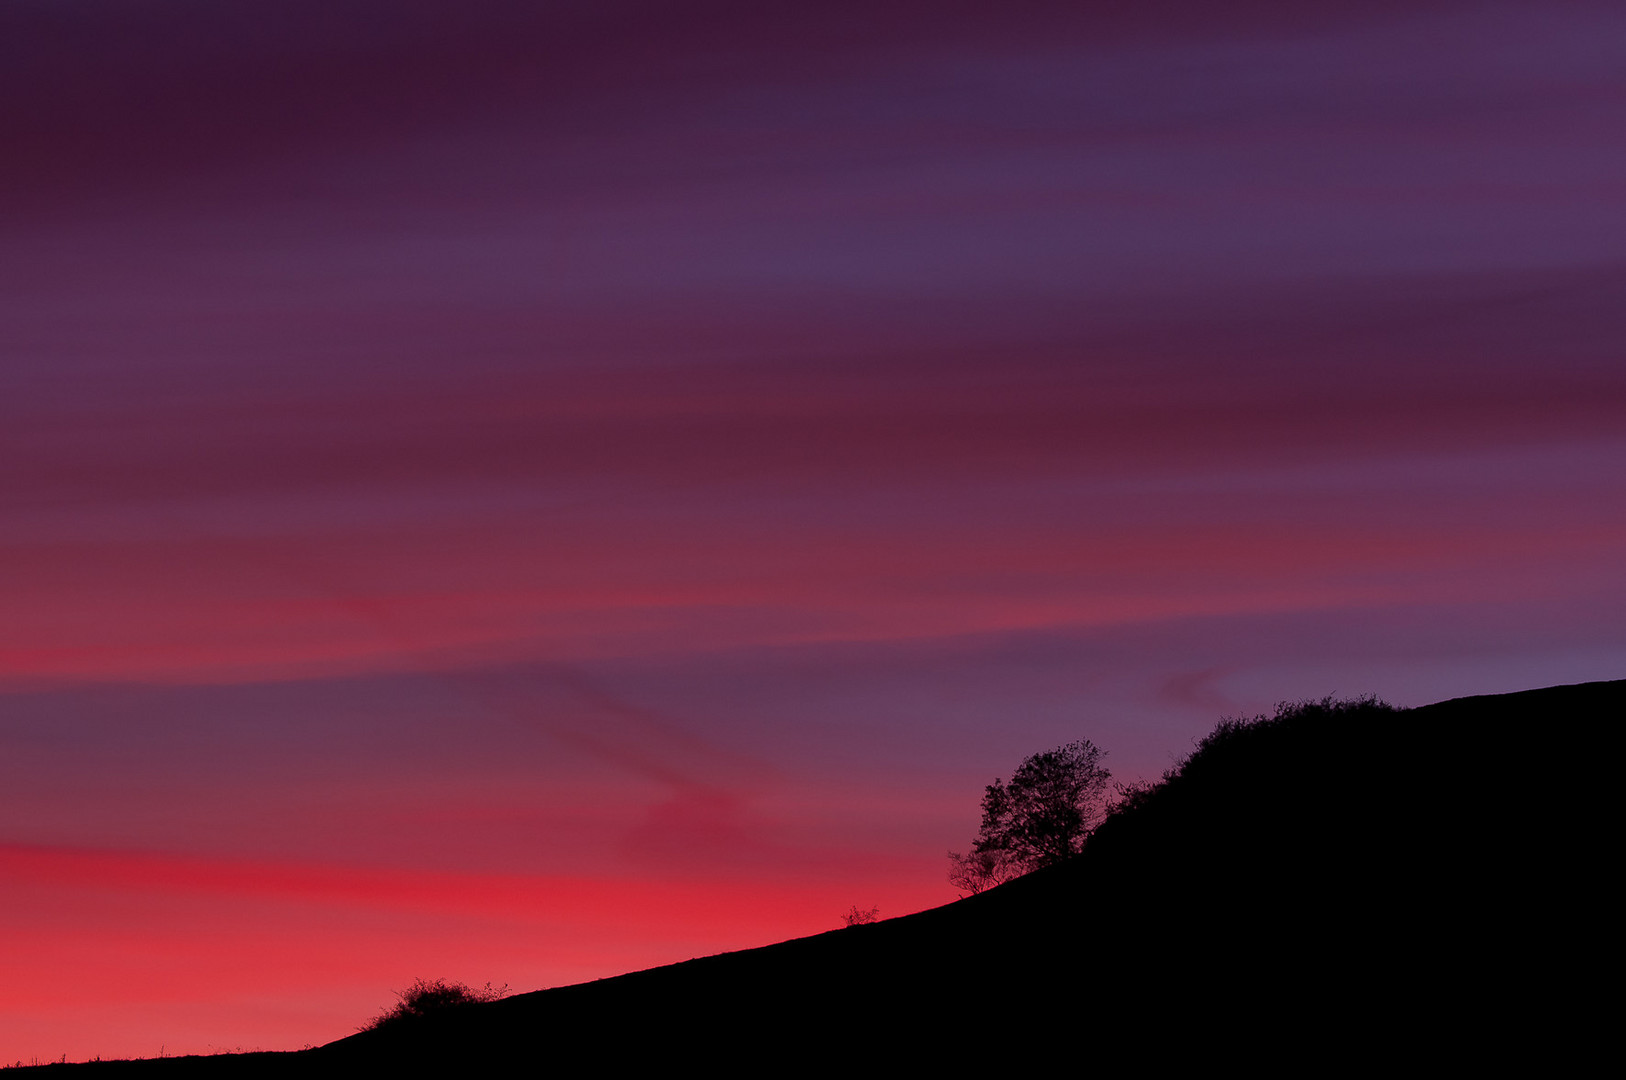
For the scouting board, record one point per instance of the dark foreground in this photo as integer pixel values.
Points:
(1354, 886)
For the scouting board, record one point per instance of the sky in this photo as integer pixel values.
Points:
(521, 492)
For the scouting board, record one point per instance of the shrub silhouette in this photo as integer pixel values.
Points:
(426, 998)
(861, 916)
(976, 870)
(1290, 750)
(1217, 813)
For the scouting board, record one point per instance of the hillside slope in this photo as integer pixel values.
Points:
(1347, 882)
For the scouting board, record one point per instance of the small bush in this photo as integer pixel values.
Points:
(860, 916)
(427, 998)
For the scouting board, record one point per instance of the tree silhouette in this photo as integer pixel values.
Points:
(1041, 817)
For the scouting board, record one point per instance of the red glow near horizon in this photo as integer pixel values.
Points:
(105, 931)
(522, 493)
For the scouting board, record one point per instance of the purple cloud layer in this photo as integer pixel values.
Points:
(634, 443)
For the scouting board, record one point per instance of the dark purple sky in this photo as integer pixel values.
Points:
(523, 491)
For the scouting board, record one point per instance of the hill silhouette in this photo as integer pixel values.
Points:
(1345, 883)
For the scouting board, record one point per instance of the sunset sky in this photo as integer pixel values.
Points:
(525, 491)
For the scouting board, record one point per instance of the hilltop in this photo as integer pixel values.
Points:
(1343, 881)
